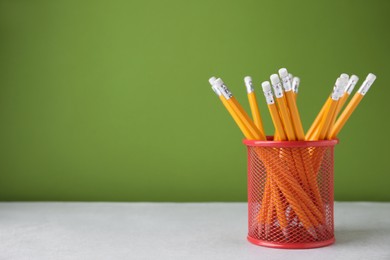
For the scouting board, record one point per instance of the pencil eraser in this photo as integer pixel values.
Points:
(283, 72)
(274, 79)
(344, 83)
(354, 78)
(212, 80)
(216, 90)
(371, 77)
(266, 86)
(248, 80)
(339, 82)
(344, 76)
(351, 84)
(218, 82)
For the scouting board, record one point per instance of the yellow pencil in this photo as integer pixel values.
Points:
(283, 108)
(253, 105)
(314, 126)
(344, 78)
(295, 85)
(352, 105)
(324, 125)
(292, 105)
(237, 108)
(273, 110)
(235, 117)
(347, 92)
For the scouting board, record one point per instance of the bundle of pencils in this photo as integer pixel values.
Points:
(291, 190)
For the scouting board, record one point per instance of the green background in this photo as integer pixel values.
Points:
(110, 100)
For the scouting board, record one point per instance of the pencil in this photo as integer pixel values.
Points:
(279, 208)
(295, 85)
(352, 105)
(323, 126)
(233, 114)
(283, 109)
(238, 110)
(344, 78)
(347, 92)
(314, 126)
(273, 110)
(253, 105)
(292, 105)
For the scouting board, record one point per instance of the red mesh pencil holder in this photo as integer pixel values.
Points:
(290, 193)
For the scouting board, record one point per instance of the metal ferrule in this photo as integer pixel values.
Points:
(290, 78)
(337, 92)
(225, 91)
(351, 86)
(286, 84)
(249, 87)
(365, 87)
(294, 86)
(269, 97)
(278, 90)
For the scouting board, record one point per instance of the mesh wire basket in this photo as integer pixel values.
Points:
(290, 193)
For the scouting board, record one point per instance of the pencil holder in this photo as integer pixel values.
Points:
(290, 193)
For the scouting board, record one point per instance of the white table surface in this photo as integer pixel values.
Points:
(40, 230)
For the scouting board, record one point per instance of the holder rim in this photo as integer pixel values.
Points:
(270, 143)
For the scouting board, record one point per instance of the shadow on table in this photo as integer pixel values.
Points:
(347, 236)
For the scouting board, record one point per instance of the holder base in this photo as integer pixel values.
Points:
(292, 245)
